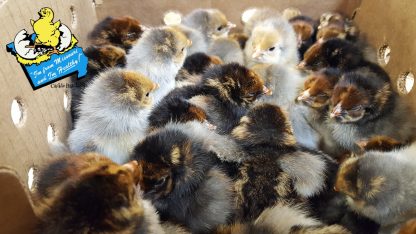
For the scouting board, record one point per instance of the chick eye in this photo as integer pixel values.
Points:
(131, 35)
(272, 48)
(161, 181)
(183, 48)
(147, 94)
(220, 28)
(357, 108)
(322, 95)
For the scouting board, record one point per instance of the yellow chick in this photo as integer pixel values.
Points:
(47, 32)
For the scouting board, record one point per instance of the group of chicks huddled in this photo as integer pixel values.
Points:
(198, 128)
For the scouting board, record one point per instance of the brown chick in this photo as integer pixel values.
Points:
(90, 193)
(380, 186)
(363, 105)
(409, 227)
(305, 29)
(193, 68)
(122, 32)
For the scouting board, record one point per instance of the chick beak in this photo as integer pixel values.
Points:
(305, 96)
(302, 65)
(336, 112)
(230, 25)
(336, 189)
(257, 53)
(267, 91)
(189, 43)
(135, 169)
(155, 86)
(209, 125)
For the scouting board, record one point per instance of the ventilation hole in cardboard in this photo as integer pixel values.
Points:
(31, 177)
(405, 82)
(384, 55)
(67, 100)
(51, 133)
(74, 17)
(18, 112)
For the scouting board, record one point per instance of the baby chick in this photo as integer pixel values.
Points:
(47, 32)
(363, 105)
(340, 54)
(212, 23)
(179, 174)
(316, 97)
(381, 186)
(100, 58)
(228, 90)
(89, 193)
(272, 41)
(159, 55)
(123, 32)
(335, 25)
(113, 114)
(227, 49)
(193, 68)
(305, 29)
(276, 170)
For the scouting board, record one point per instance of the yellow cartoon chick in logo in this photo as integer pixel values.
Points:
(47, 32)
(51, 38)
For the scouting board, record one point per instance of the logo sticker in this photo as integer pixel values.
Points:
(50, 53)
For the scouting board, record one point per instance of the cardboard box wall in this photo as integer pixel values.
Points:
(22, 147)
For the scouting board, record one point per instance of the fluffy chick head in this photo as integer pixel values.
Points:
(318, 88)
(212, 22)
(106, 56)
(123, 32)
(273, 41)
(360, 97)
(304, 27)
(165, 44)
(369, 183)
(335, 52)
(168, 163)
(127, 88)
(235, 83)
(92, 193)
(197, 63)
(264, 124)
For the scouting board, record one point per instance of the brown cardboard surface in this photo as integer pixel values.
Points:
(392, 23)
(16, 213)
(23, 147)
(151, 12)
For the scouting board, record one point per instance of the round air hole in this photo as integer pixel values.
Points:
(67, 100)
(51, 133)
(18, 112)
(384, 55)
(74, 19)
(31, 178)
(405, 82)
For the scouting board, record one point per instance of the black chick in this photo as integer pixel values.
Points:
(123, 32)
(228, 90)
(180, 176)
(278, 171)
(99, 59)
(364, 106)
(340, 54)
(90, 193)
(175, 109)
(193, 68)
(305, 29)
